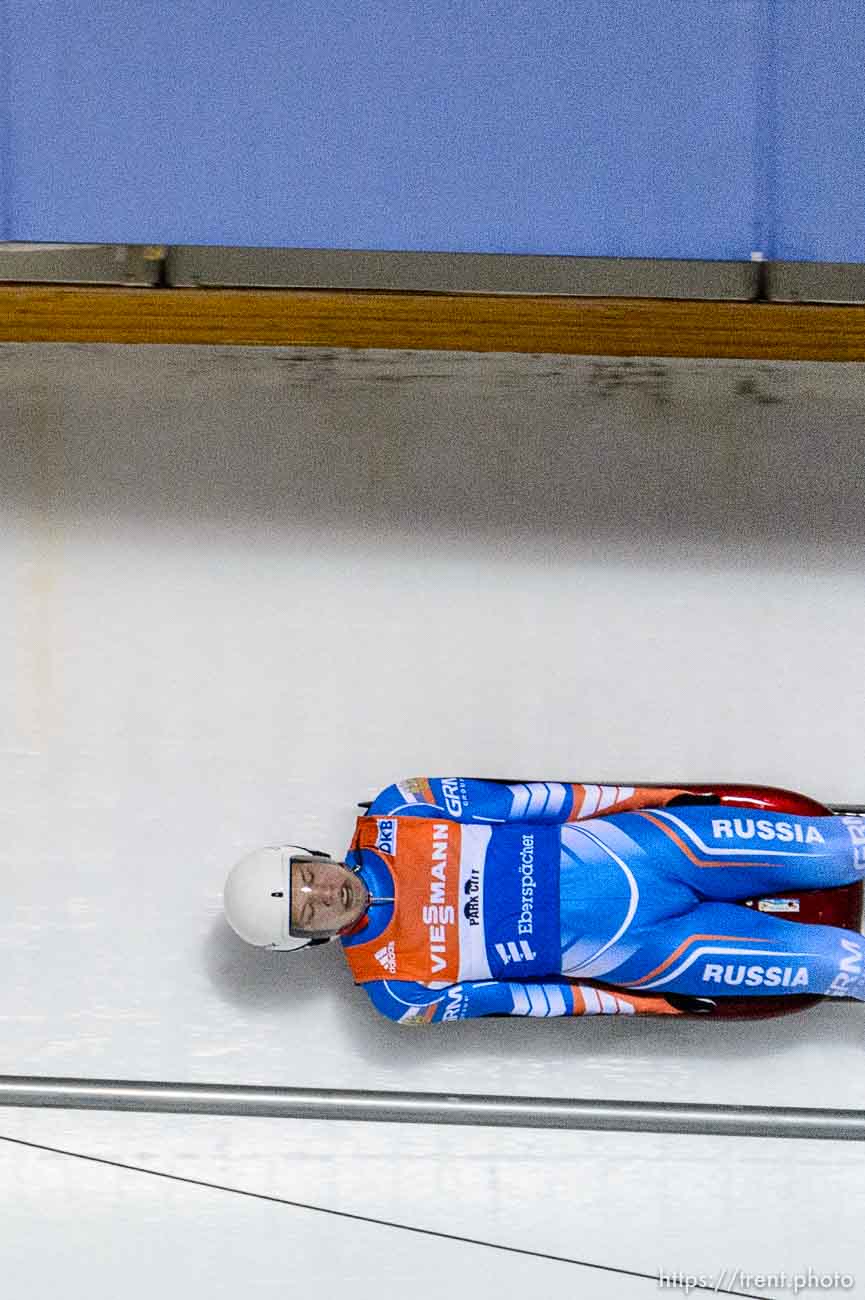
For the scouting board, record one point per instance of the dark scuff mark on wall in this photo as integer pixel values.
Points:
(756, 388)
(611, 378)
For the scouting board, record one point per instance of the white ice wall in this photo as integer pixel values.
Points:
(244, 588)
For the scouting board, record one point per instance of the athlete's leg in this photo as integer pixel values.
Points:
(730, 853)
(724, 948)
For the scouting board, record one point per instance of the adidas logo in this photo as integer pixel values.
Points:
(386, 957)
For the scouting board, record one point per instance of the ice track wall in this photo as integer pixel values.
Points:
(245, 588)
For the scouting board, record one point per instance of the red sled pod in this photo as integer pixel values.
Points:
(840, 906)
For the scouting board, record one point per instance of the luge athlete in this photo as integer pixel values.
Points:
(462, 897)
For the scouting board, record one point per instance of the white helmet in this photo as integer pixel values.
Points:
(257, 898)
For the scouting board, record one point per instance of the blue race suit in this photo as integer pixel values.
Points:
(526, 882)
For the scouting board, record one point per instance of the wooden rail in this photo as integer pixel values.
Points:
(453, 322)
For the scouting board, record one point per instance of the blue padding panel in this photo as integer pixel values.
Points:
(819, 158)
(6, 134)
(587, 127)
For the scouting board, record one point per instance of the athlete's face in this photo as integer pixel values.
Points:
(325, 897)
